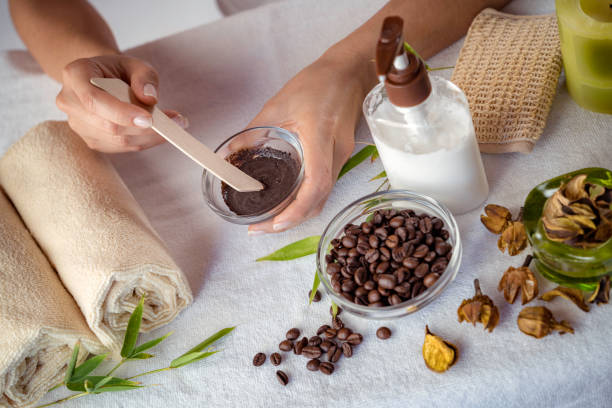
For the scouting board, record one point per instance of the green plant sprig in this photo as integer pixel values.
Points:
(79, 378)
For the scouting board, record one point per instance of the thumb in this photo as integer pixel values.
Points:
(144, 80)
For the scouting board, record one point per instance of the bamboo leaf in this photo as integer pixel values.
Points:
(87, 367)
(115, 388)
(379, 175)
(103, 382)
(221, 333)
(150, 344)
(140, 356)
(133, 327)
(191, 358)
(356, 159)
(72, 362)
(409, 48)
(334, 307)
(88, 385)
(315, 286)
(294, 250)
(374, 156)
(95, 379)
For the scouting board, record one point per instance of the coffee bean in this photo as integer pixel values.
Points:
(337, 323)
(382, 267)
(293, 334)
(313, 364)
(396, 221)
(394, 299)
(429, 239)
(410, 262)
(387, 281)
(373, 296)
(376, 304)
(377, 219)
(444, 234)
(400, 274)
(326, 368)
(329, 258)
(275, 359)
(335, 242)
(421, 270)
(342, 252)
(348, 242)
(392, 241)
(372, 255)
(383, 333)
(286, 345)
(416, 288)
(383, 291)
(348, 286)
(431, 255)
(347, 349)
(369, 285)
(366, 227)
(312, 352)
(330, 333)
(333, 268)
(385, 254)
(314, 341)
(259, 359)
(398, 254)
(442, 248)
(430, 279)
(363, 248)
(343, 333)
(346, 273)
(330, 351)
(316, 297)
(325, 345)
(420, 251)
(331, 310)
(425, 225)
(403, 289)
(282, 378)
(298, 347)
(337, 286)
(336, 356)
(322, 329)
(381, 233)
(354, 338)
(361, 300)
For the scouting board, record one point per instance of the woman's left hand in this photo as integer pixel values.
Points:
(322, 105)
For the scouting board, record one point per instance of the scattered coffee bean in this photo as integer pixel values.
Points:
(330, 333)
(314, 341)
(286, 345)
(316, 297)
(293, 334)
(354, 339)
(337, 323)
(259, 359)
(312, 352)
(326, 368)
(275, 359)
(383, 333)
(282, 378)
(325, 345)
(347, 349)
(336, 356)
(313, 365)
(299, 346)
(322, 329)
(331, 351)
(343, 333)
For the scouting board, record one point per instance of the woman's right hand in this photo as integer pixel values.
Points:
(105, 123)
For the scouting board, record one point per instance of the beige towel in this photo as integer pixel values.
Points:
(40, 321)
(92, 230)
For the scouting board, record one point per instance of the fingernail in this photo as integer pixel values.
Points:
(281, 226)
(149, 90)
(252, 233)
(142, 121)
(181, 120)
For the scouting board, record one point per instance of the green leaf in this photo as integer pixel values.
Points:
(370, 217)
(374, 156)
(189, 358)
(133, 327)
(103, 382)
(295, 250)
(95, 379)
(88, 385)
(140, 356)
(72, 362)
(379, 175)
(221, 333)
(315, 286)
(150, 344)
(115, 388)
(357, 158)
(409, 48)
(334, 307)
(87, 367)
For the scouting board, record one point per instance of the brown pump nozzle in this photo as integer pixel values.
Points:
(405, 77)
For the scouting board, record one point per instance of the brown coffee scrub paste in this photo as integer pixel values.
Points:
(275, 169)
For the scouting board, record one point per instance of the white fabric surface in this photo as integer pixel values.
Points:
(221, 87)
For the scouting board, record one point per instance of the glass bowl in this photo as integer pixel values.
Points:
(556, 261)
(256, 137)
(356, 213)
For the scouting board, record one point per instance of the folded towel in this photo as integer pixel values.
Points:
(40, 321)
(93, 231)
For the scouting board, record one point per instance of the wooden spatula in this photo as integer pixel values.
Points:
(182, 140)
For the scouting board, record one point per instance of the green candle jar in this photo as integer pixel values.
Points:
(556, 261)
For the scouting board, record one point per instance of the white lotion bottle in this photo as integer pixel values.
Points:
(422, 128)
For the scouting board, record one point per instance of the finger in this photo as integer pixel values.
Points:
(77, 74)
(143, 80)
(98, 140)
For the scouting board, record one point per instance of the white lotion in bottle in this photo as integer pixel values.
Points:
(422, 128)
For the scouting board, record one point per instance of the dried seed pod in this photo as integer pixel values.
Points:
(519, 278)
(538, 321)
(480, 308)
(602, 291)
(513, 238)
(573, 295)
(496, 218)
(438, 354)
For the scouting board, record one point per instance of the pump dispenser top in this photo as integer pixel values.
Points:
(403, 73)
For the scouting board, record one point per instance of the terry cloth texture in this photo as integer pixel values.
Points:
(93, 231)
(509, 67)
(40, 321)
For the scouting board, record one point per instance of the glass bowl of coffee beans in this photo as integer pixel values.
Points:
(389, 254)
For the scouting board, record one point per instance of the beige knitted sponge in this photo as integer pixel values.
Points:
(509, 67)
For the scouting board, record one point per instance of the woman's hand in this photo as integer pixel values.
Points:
(322, 105)
(105, 123)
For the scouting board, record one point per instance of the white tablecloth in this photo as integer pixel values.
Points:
(219, 75)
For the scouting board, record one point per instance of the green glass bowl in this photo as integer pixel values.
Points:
(558, 262)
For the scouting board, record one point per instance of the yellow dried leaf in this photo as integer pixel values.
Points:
(438, 354)
(573, 295)
(496, 218)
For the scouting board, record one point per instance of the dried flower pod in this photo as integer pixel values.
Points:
(496, 218)
(480, 308)
(513, 238)
(519, 278)
(602, 292)
(438, 354)
(538, 321)
(573, 295)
